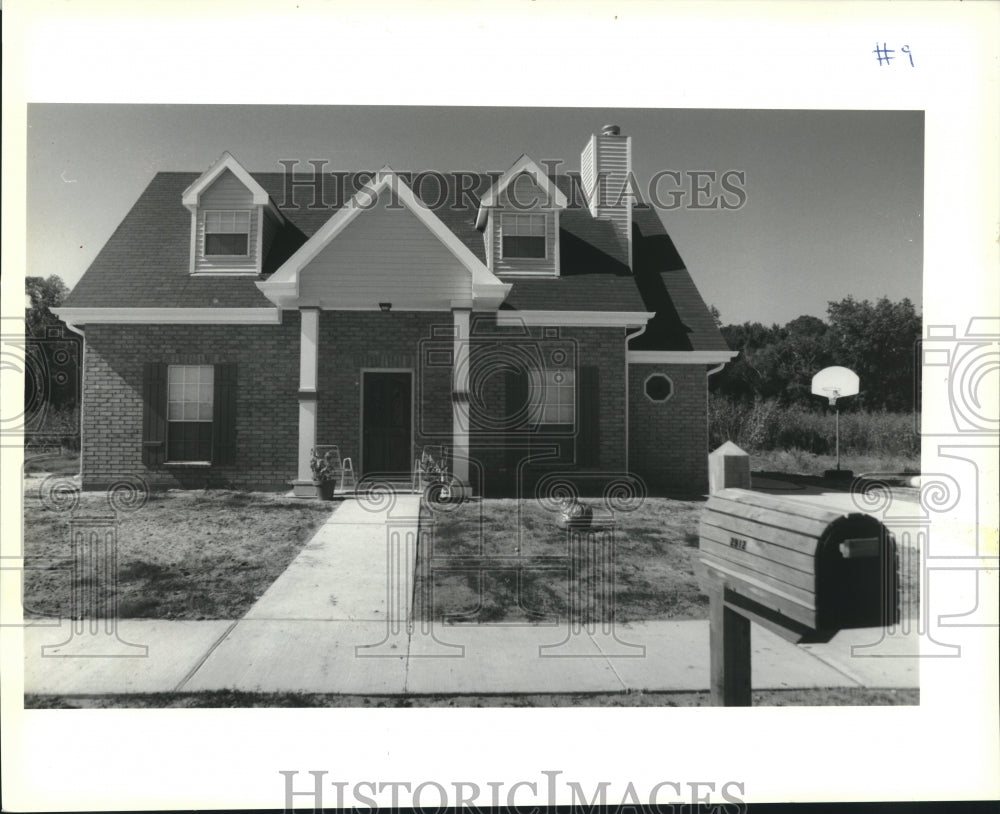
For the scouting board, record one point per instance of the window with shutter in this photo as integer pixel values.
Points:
(190, 402)
(189, 414)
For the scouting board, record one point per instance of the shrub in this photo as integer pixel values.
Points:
(60, 426)
(765, 425)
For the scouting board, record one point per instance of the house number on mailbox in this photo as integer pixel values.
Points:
(738, 542)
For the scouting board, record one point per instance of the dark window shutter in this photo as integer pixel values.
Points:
(154, 413)
(588, 440)
(224, 416)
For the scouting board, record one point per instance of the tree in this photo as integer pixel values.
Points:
(44, 294)
(749, 374)
(52, 377)
(877, 341)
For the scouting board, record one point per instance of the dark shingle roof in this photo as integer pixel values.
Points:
(145, 261)
(682, 321)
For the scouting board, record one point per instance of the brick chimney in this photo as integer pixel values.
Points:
(605, 171)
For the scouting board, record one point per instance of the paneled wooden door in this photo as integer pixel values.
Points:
(387, 423)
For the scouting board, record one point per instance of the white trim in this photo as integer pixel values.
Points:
(260, 238)
(524, 165)
(588, 319)
(629, 198)
(169, 316)
(680, 357)
(551, 275)
(555, 249)
(663, 376)
(226, 272)
(489, 237)
(308, 421)
(460, 363)
(194, 241)
(328, 305)
(308, 349)
(224, 162)
(282, 288)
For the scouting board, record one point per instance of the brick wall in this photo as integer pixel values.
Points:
(668, 441)
(500, 450)
(350, 341)
(267, 370)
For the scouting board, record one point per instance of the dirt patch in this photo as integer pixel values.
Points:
(504, 560)
(58, 462)
(507, 560)
(182, 555)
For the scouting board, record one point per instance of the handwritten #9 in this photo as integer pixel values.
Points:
(884, 53)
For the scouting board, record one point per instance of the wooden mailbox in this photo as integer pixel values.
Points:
(799, 569)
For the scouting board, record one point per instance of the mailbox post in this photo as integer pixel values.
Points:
(802, 571)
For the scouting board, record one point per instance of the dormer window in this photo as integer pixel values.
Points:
(523, 236)
(227, 233)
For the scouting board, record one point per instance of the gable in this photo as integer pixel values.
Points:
(524, 165)
(386, 254)
(523, 194)
(226, 192)
(226, 195)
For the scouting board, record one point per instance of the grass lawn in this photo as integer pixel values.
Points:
(501, 560)
(227, 699)
(183, 555)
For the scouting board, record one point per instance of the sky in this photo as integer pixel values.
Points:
(832, 207)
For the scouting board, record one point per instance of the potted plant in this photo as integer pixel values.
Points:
(326, 470)
(432, 472)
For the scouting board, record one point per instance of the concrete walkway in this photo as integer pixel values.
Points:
(341, 656)
(336, 622)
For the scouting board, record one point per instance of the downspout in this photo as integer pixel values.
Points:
(628, 338)
(711, 372)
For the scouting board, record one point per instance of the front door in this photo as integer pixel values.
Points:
(386, 423)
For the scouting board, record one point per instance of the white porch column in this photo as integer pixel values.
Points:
(308, 378)
(460, 396)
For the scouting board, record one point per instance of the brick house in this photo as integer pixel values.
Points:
(530, 325)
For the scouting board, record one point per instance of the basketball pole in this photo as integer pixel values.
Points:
(836, 423)
(836, 432)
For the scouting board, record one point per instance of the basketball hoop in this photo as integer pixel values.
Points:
(834, 383)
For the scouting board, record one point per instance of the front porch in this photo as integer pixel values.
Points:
(383, 385)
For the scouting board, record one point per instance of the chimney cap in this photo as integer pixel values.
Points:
(611, 130)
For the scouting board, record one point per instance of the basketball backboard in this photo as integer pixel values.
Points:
(835, 382)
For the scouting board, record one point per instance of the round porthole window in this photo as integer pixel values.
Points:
(658, 387)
